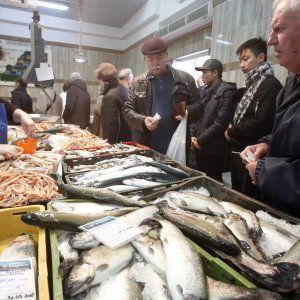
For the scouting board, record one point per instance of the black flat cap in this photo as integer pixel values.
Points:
(211, 64)
(154, 46)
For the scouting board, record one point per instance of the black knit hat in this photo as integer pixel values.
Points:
(154, 46)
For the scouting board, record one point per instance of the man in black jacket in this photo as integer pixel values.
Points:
(254, 115)
(217, 109)
(275, 165)
(20, 97)
(162, 90)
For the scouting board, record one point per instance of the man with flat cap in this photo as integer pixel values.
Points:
(217, 109)
(162, 90)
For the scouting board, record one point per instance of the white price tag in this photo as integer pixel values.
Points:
(112, 232)
(17, 280)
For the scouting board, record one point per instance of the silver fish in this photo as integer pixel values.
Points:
(118, 286)
(97, 265)
(83, 241)
(100, 195)
(155, 287)
(221, 291)
(196, 201)
(119, 188)
(152, 251)
(190, 282)
(254, 228)
(238, 227)
(141, 183)
(68, 255)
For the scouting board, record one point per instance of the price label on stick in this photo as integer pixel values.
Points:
(17, 280)
(112, 232)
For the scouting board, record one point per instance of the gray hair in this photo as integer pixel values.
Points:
(74, 76)
(293, 5)
(124, 73)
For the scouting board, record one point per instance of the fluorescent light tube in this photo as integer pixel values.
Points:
(52, 5)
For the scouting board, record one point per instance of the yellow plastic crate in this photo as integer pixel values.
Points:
(12, 227)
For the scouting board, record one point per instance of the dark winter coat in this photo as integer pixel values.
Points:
(138, 106)
(115, 128)
(77, 110)
(217, 112)
(259, 118)
(278, 174)
(10, 108)
(22, 100)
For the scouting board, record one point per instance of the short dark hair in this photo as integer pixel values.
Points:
(21, 82)
(256, 45)
(66, 86)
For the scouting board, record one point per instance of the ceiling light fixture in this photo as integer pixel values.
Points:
(52, 5)
(80, 57)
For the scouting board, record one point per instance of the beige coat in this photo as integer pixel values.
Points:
(46, 100)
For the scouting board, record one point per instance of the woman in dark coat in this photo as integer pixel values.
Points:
(20, 97)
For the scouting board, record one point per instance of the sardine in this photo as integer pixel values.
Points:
(155, 286)
(97, 265)
(69, 221)
(219, 290)
(68, 255)
(190, 281)
(169, 169)
(83, 241)
(99, 194)
(238, 227)
(197, 202)
(118, 286)
(254, 228)
(215, 236)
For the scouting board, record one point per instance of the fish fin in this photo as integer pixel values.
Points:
(179, 289)
(183, 203)
(162, 204)
(103, 267)
(209, 211)
(150, 250)
(152, 223)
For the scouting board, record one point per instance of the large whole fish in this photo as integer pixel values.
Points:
(215, 235)
(68, 255)
(99, 194)
(97, 265)
(238, 227)
(185, 273)
(196, 201)
(155, 286)
(169, 169)
(118, 286)
(219, 290)
(69, 221)
(252, 222)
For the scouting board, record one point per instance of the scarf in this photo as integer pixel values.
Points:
(253, 80)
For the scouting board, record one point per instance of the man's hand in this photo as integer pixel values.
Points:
(258, 150)
(227, 137)
(251, 167)
(151, 123)
(10, 151)
(195, 143)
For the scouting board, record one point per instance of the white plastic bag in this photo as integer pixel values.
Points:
(176, 149)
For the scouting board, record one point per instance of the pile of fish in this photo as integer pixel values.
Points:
(237, 235)
(159, 264)
(127, 174)
(26, 187)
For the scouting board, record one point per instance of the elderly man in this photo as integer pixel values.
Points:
(78, 101)
(162, 90)
(275, 165)
(126, 77)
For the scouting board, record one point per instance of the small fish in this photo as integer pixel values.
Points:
(100, 195)
(190, 281)
(68, 255)
(169, 169)
(97, 265)
(254, 228)
(219, 290)
(69, 221)
(197, 202)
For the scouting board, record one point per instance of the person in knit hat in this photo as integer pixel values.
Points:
(114, 95)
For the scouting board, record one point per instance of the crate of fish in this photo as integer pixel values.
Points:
(162, 259)
(21, 241)
(145, 170)
(245, 233)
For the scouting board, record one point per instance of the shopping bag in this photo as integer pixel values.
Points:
(3, 124)
(176, 149)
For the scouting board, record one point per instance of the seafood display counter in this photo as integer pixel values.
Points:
(12, 227)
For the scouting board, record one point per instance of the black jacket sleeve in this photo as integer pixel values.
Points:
(16, 99)
(70, 103)
(259, 120)
(223, 118)
(194, 104)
